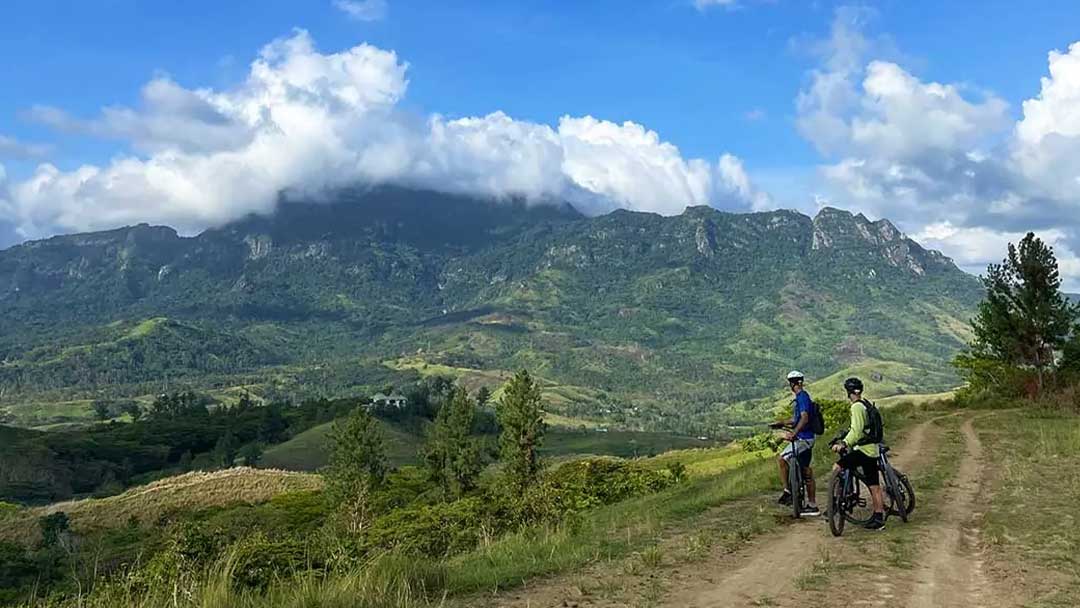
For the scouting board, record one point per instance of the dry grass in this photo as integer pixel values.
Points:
(147, 504)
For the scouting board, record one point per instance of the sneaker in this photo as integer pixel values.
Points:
(877, 522)
(785, 499)
(810, 511)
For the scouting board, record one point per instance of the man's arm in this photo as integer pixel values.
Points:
(804, 419)
(858, 423)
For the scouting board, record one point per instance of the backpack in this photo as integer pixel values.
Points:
(817, 421)
(874, 431)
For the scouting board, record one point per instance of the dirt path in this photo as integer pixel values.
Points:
(951, 571)
(763, 574)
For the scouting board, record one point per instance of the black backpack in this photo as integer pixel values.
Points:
(874, 431)
(817, 421)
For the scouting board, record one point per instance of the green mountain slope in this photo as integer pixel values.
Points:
(633, 318)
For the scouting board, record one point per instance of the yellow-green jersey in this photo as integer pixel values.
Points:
(857, 431)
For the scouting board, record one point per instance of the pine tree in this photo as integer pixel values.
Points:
(520, 414)
(451, 454)
(1024, 317)
(225, 450)
(357, 468)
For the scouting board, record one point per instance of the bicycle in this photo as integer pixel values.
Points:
(849, 494)
(795, 475)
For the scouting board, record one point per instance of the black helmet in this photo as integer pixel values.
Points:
(853, 385)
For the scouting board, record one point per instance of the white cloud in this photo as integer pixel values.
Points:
(304, 122)
(944, 159)
(362, 10)
(1046, 146)
(13, 148)
(755, 114)
(974, 248)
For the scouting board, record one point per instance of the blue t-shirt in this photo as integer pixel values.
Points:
(803, 403)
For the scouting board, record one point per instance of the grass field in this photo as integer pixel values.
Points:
(182, 493)
(1036, 490)
(309, 451)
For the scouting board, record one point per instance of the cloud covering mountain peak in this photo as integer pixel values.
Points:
(304, 122)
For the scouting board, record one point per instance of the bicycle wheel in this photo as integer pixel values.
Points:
(837, 504)
(796, 486)
(860, 503)
(894, 491)
(908, 491)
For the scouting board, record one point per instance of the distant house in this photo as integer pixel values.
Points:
(395, 400)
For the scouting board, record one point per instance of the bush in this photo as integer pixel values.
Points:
(762, 441)
(257, 561)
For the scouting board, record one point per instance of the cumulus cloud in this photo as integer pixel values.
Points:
(362, 10)
(945, 159)
(15, 149)
(304, 122)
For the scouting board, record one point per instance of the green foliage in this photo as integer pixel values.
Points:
(225, 450)
(53, 528)
(761, 442)
(7, 509)
(101, 409)
(1024, 317)
(451, 455)
(521, 419)
(251, 454)
(357, 467)
(837, 413)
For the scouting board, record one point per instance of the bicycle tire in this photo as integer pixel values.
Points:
(861, 504)
(897, 499)
(907, 490)
(837, 505)
(795, 486)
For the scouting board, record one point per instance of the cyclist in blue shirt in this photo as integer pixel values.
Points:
(802, 431)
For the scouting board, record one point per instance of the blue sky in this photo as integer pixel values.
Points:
(716, 80)
(693, 76)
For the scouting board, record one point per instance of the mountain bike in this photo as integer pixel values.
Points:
(796, 481)
(849, 494)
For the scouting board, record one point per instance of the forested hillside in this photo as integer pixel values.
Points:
(633, 318)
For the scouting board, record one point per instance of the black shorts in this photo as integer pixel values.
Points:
(868, 465)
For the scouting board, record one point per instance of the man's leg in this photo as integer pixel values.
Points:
(870, 470)
(811, 489)
(878, 498)
(783, 471)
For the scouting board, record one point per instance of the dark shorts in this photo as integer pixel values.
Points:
(867, 465)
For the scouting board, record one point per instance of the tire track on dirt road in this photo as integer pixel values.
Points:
(951, 572)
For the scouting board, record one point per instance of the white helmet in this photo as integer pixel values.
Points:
(795, 376)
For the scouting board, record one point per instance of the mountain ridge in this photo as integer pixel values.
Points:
(634, 312)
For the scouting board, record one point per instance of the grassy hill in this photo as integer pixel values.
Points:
(146, 504)
(309, 451)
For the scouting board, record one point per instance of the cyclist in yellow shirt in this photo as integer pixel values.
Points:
(862, 452)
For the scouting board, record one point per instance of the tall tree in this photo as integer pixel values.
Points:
(225, 450)
(357, 467)
(1024, 317)
(520, 413)
(451, 454)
